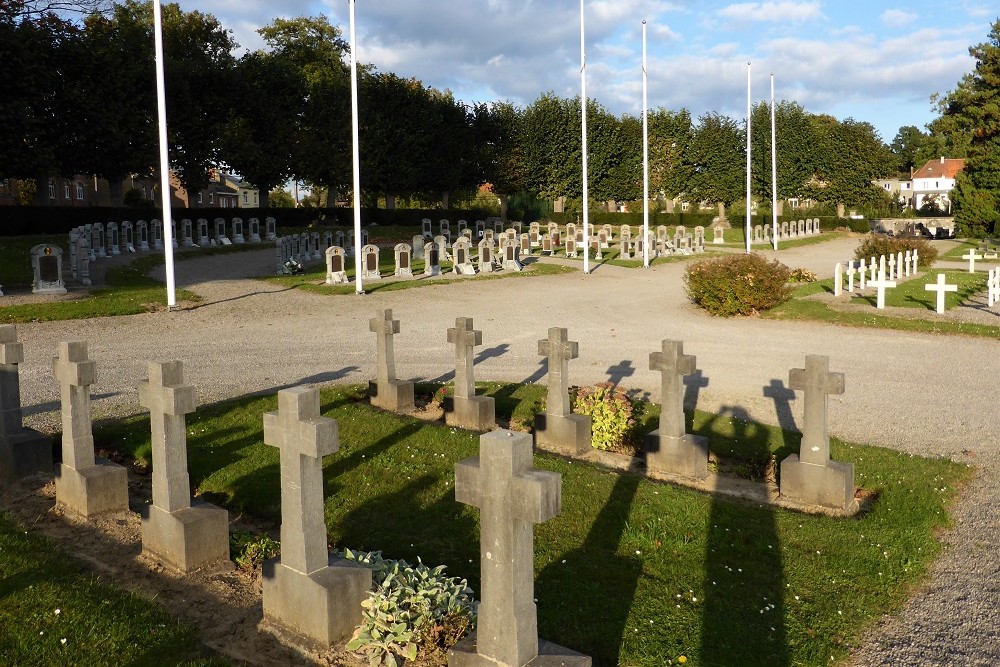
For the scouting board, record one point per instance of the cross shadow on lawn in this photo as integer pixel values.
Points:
(743, 571)
(585, 595)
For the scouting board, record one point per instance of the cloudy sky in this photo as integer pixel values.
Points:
(874, 61)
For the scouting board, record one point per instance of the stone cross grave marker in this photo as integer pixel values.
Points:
(302, 590)
(558, 430)
(386, 391)
(906, 263)
(512, 497)
(850, 275)
(838, 279)
(993, 287)
(914, 261)
(811, 476)
(972, 256)
(471, 412)
(669, 448)
(22, 450)
(173, 531)
(941, 288)
(880, 286)
(862, 274)
(84, 484)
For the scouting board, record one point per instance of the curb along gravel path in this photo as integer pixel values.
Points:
(917, 393)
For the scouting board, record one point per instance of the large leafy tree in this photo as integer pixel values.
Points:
(849, 156)
(975, 106)
(913, 147)
(670, 135)
(552, 142)
(795, 158)
(717, 154)
(500, 149)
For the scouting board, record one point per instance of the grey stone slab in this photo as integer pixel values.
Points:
(477, 413)
(669, 448)
(558, 430)
(23, 451)
(386, 391)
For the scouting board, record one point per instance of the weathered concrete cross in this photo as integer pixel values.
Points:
(11, 354)
(465, 339)
(168, 401)
(303, 437)
(674, 365)
(972, 256)
(511, 497)
(817, 382)
(559, 350)
(385, 327)
(75, 373)
(940, 287)
(880, 285)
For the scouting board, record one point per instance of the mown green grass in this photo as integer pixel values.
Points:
(15, 257)
(910, 294)
(632, 572)
(52, 612)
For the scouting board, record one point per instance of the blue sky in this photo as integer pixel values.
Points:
(873, 61)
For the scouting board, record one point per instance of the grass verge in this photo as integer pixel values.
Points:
(54, 613)
(632, 572)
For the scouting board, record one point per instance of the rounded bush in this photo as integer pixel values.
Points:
(737, 284)
(610, 410)
(876, 245)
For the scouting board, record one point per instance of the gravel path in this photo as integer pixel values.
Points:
(917, 393)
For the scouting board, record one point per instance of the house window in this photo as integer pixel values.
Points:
(199, 198)
(65, 190)
(52, 189)
(79, 191)
(211, 197)
(937, 184)
(793, 202)
(255, 200)
(246, 197)
(685, 206)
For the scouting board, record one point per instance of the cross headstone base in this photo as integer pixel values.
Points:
(24, 453)
(830, 485)
(685, 455)
(475, 413)
(93, 490)
(394, 395)
(187, 539)
(322, 607)
(569, 435)
(463, 654)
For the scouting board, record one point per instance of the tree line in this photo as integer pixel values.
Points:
(84, 102)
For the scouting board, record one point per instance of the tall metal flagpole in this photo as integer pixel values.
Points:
(356, 157)
(161, 116)
(645, 158)
(583, 114)
(774, 174)
(748, 159)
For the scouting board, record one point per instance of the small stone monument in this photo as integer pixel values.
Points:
(669, 449)
(238, 230)
(432, 260)
(404, 268)
(511, 497)
(486, 255)
(511, 261)
(46, 263)
(386, 391)
(305, 591)
(84, 484)
(23, 451)
(558, 429)
(462, 251)
(369, 264)
(810, 476)
(476, 413)
(174, 531)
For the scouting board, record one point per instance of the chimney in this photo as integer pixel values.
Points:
(942, 159)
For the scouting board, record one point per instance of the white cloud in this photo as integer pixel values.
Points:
(897, 17)
(783, 12)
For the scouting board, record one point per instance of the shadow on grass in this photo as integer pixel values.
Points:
(744, 607)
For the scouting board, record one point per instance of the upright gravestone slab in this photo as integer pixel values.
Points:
(113, 239)
(174, 531)
(511, 261)
(46, 263)
(317, 249)
(238, 231)
(23, 451)
(142, 232)
(718, 234)
(335, 274)
(203, 239)
(476, 413)
(84, 484)
(386, 391)
(158, 233)
(305, 591)
(558, 430)
(97, 241)
(669, 448)
(432, 259)
(838, 279)
(810, 476)
(369, 263)
(418, 246)
(462, 252)
(271, 228)
(254, 230)
(486, 256)
(404, 268)
(220, 230)
(512, 497)
(128, 240)
(84, 253)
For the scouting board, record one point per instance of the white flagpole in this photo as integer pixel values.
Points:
(774, 174)
(645, 158)
(161, 115)
(748, 159)
(356, 157)
(583, 114)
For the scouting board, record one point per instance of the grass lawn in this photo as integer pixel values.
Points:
(632, 572)
(15, 257)
(910, 294)
(53, 613)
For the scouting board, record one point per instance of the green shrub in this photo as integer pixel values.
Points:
(249, 550)
(737, 284)
(876, 245)
(412, 608)
(801, 275)
(610, 411)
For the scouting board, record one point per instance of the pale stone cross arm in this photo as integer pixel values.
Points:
(385, 327)
(817, 382)
(674, 365)
(559, 350)
(75, 373)
(465, 338)
(168, 400)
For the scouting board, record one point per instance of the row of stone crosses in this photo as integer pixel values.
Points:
(316, 596)
(903, 265)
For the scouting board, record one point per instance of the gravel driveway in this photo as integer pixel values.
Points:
(920, 393)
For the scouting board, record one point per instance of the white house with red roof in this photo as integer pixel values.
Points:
(934, 182)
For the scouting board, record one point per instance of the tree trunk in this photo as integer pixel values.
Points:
(390, 202)
(504, 203)
(264, 194)
(331, 196)
(42, 190)
(444, 200)
(115, 191)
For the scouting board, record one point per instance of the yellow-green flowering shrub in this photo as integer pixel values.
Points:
(611, 417)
